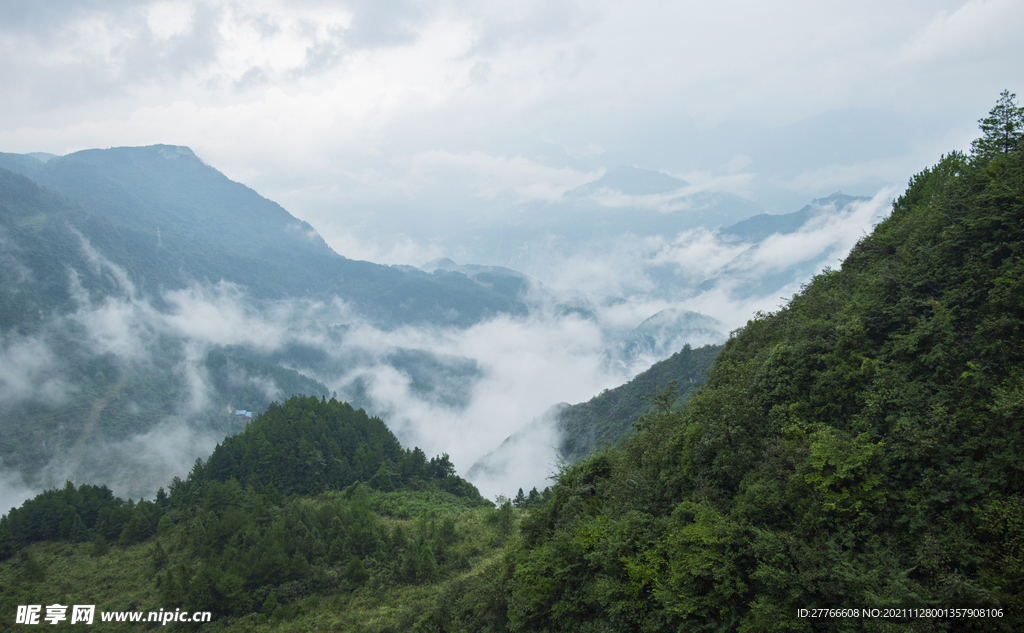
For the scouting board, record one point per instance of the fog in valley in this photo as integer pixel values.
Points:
(456, 390)
(558, 196)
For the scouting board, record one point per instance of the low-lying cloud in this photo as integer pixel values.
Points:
(446, 390)
(30, 372)
(735, 275)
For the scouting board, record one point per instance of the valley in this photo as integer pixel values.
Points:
(858, 446)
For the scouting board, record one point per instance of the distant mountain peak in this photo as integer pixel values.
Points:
(441, 263)
(635, 181)
(759, 227)
(839, 198)
(42, 156)
(667, 331)
(175, 151)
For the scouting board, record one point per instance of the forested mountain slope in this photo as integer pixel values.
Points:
(858, 454)
(168, 219)
(235, 540)
(575, 431)
(110, 262)
(608, 417)
(62, 384)
(861, 448)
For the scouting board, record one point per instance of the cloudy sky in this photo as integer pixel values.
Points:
(354, 113)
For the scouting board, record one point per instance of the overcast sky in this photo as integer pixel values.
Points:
(345, 112)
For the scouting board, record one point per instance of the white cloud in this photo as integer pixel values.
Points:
(832, 234)
(400, 250)
(135, 466)
(490, 176)
(527, 365)
(220, 315)
(295, 96)
(699, 253)
(13, 491)
(167, 19)
(30, 372)
(974, 30)
(124, 328)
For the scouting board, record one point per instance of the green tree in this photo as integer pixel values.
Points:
(270, 604)
(79, 533)
(382, 480)
(355, 571)
(1002, 129)
(99, 546)
(159, 557)
(520, 500)
(31, 571)
(427, 569)
(534, 497)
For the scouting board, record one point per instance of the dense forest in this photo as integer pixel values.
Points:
(276, 515)
(609, 417)
(859, 449)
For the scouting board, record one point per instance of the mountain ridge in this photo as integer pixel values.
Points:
(220, 229)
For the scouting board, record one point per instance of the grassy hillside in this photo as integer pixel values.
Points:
(333, 598)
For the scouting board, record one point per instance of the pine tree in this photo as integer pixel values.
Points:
(534, 497)
(79, 533)
(382, 480)
(99, 546)
(355, 571)
(427, 569)
(159, 557)
(270, 604)
(520, 500)
(31, 571)
(171, 591)
(1002, 130)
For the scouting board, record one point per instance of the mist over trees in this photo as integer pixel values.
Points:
(147, 298)
(859, 448)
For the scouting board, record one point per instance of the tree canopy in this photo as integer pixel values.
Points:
(1002, 130)
(861, 448)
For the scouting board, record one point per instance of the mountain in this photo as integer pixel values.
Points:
(129, 277)
(858, 449)
(661, 334)
(759, 227)
(624, 202)
(854, 461)
(771, 252)
(502, 280)
(103, 346)
(608, 418)
(629, 180)
(575, 431)
(176, 220)
(145, 292)
(276, 514)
